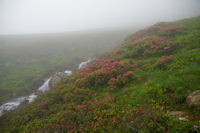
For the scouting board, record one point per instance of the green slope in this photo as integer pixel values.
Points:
(132, 89)
(26, 60)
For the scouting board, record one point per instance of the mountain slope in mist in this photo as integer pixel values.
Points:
(27, 60)
(134, 88)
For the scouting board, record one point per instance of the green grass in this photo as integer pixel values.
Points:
(27, 60)
(113, 94)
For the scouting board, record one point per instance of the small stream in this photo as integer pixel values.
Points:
(13, 104)
(84, 63)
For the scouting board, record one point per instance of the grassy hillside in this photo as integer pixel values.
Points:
(132, 89)
(27, 60)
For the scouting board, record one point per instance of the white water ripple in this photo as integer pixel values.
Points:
(84, 63)
(13, 104)
(45, 86)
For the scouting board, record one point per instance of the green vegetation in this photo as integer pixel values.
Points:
(131, 89)
(27, 60)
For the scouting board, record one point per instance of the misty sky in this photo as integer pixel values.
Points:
(40, 16)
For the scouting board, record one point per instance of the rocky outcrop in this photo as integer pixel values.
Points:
(180, 115)
(58, 77)
(193, 99)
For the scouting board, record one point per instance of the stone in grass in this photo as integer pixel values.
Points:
(193, 99)
(180, 115)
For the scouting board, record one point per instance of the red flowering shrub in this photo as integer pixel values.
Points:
(162, 62)
(153, 41)
(120, 80)
(103, 72)
(151, 46)
(162, 28)
(135, 65)
(148, 118)
(87, 101)
(170, 30)
(80, 107)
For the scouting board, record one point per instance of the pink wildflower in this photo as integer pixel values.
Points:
(102, 102)
(142, 112)
(83, 87)
(128, 73)
(124, 82)
(119, 57)
(80, 107)
(135, 65)
(112, 79)
(166, 41)
(113, 98)
(94, 95)
(111, 89)
(163, 60)
(114, 118)
(107, 111)
(167, 47)
(72, 130)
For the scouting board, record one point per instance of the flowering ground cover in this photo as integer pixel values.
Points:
(131, 89)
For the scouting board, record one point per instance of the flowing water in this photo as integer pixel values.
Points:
(45, 86)
(84, 63)
(68, 72)
(13, 104)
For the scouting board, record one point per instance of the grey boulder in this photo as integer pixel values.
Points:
(193, 99)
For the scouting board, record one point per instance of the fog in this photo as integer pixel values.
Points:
(44, 41)
(47, 16)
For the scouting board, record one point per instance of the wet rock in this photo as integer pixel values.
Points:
(57, 77)
(180, 115)
(177, 113)
(183, 118)
(193, 99)
(11, 105)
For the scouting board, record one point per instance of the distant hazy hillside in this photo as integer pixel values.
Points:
(27, 60)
